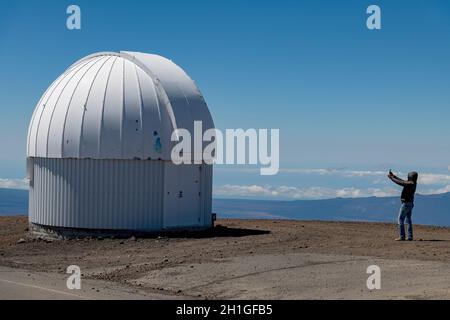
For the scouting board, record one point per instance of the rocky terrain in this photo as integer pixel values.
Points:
(273, 259)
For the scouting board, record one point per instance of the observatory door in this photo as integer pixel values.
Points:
(182, 195)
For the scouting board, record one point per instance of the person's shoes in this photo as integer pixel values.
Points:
(400, 239)
(410, 239)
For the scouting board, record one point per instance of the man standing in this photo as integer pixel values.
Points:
(407, 197)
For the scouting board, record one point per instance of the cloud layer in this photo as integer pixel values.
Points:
(424, 178)
(296, 193)
(429, 183)
(376, 181)
(14, 183)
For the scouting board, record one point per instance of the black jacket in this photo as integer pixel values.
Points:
(409, 186)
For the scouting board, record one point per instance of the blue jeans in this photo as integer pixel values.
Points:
(405, 213)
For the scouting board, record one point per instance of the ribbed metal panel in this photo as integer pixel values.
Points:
(206, 194)
(97, 194)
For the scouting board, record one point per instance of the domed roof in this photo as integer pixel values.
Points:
(116, 106)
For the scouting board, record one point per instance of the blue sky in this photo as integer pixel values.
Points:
(346, 99)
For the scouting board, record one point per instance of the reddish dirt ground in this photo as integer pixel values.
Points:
(230, 238)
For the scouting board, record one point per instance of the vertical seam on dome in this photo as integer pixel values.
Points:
(61, 78)
(86, 102)
(159, 88)
(158, 105)
(70, 102)
(123, 109)
(157, 98)
(53, 85)
(189, 110)
(141, 110)
(103, 108)
(40, 117)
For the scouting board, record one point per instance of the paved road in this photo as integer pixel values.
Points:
(19, 284)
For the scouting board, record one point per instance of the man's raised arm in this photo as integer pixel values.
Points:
(399, 181)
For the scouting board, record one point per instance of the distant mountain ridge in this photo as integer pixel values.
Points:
(430, 209)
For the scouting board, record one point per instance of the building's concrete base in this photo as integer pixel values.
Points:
(61, 233)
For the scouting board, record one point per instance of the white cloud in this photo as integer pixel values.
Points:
(424, 178)
(337, 172)
(434, 179)
(444, 189)
(318, 171)
(295, 193)
(377, 185)
(14, 183)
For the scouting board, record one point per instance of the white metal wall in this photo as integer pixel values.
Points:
(107, 194)
(206, 190)
(187, 195)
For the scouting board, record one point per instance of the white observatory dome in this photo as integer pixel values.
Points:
(116, 106)
(99, 149)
